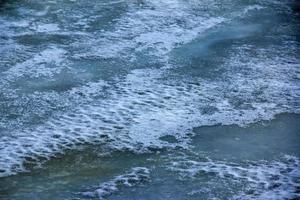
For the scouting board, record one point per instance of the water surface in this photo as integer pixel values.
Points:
(149, 99)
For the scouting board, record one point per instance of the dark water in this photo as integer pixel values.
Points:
(176, 99)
